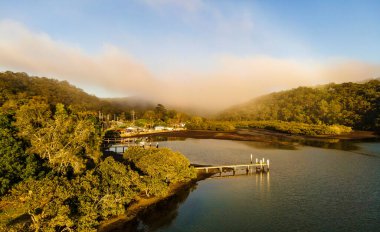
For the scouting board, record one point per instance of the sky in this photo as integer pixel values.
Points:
(204, 54)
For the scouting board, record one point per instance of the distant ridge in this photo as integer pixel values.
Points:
(130, 103)
(351, 104)
(12, 84)
(15, 85)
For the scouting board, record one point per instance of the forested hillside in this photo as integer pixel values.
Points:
(53, 174)
(350, 104)
(21, 86)
(16, 87)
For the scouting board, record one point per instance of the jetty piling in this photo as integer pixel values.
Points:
(261, 166)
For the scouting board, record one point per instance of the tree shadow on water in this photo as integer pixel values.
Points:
(159, 215)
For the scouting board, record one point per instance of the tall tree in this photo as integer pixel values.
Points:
(65, 140)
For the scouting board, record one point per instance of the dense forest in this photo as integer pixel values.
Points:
(53, 174)
(198, 123)
(18, 86)
(14, 86)
(21, 85)
(355, 105)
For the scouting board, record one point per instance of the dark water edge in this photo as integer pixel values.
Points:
(270, 140)
(155, 216)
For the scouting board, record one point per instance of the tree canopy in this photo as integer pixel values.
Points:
(53, 176)
(354, 105)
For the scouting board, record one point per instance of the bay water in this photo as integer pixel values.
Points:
(333, 187)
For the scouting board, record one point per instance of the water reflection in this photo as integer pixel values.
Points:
(163, 214)
(166, 138)
(285, 143)
(263, 183)
(290, 142)
(264, 140)
(155, 217)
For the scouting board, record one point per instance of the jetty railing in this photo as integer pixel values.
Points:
(259, 166)
(119, 140)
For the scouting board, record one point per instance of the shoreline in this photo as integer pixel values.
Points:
(142, 205)
(259, 135)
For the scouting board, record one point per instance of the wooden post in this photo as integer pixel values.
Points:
(261, 165)
(234, 171)
(268, 164)
(257, 161)
(251, 158)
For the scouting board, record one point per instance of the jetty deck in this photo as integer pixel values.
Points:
(121, 144)
(261, 166)
(120, 140)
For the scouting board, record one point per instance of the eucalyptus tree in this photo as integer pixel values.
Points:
(63, 138)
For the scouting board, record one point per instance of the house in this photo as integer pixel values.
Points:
(131, 129)
(158, 128)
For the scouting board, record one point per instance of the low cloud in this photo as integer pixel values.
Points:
(39, 54)
(238, 80)
(232, 80)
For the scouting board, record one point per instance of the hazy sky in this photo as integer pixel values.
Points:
(210, 54)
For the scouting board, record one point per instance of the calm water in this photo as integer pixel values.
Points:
(307, 189)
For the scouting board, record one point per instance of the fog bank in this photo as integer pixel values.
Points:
(232, 79)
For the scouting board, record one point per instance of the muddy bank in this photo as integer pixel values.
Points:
(260, 135)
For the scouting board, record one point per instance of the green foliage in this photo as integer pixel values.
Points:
(48, 138)
(21, 86)
(57, 203)
(15, 164)
(16, 88)
(63, 139)
(119, 184)
(11, 150)
(141, 123)
(161, 112)
(159, 167)
(112, 134)
(152, 185)
(298, 128)
(350, 104)
(43, 200)
(198, 123)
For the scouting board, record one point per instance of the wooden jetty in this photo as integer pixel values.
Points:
(123, 147)
(119, 140)
(261, 166)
